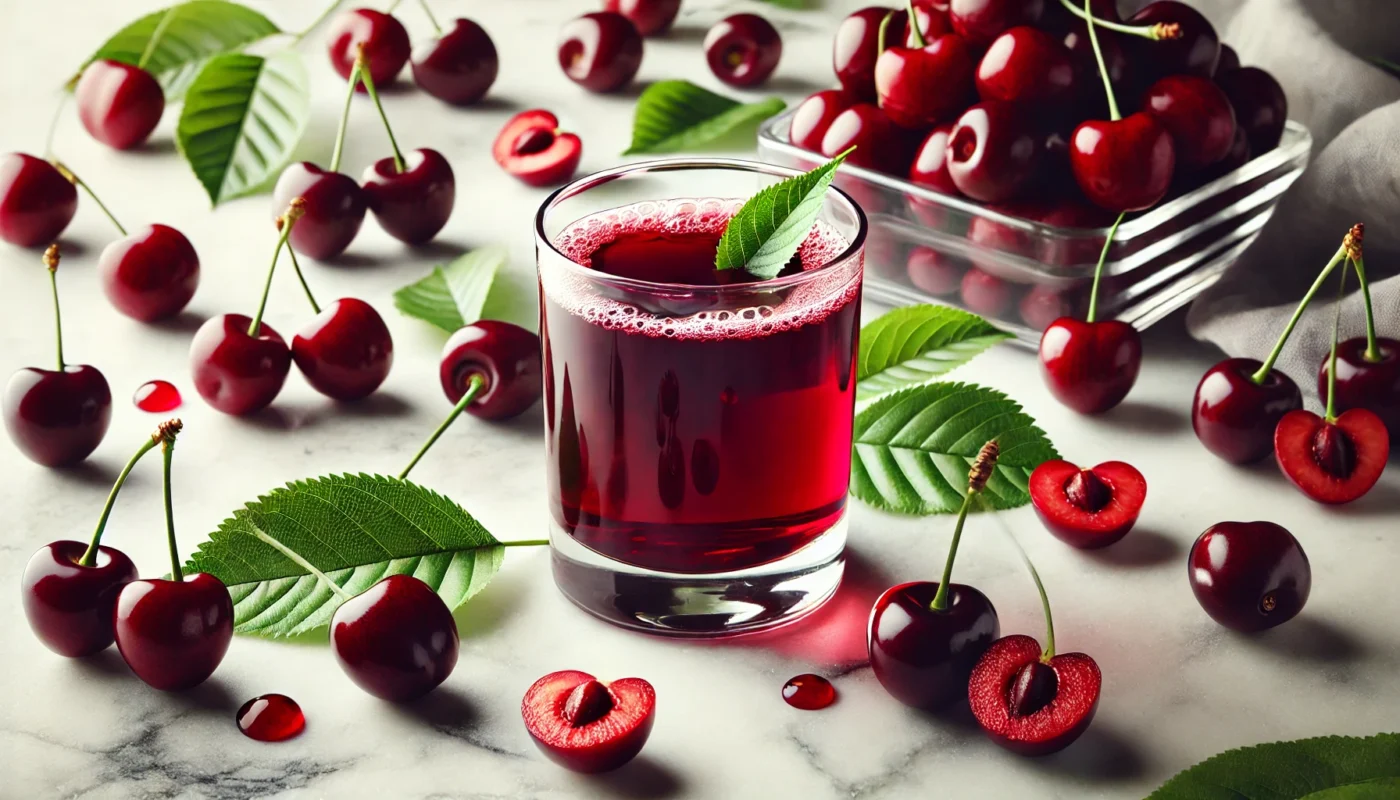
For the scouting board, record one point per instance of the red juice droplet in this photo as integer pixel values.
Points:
(157, 397)
(271, 718)
(809, 692)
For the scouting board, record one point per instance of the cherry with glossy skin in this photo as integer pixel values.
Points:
(814, 116)
(1366, 383)
(1090, 366)
(119, 104)
(1260, 106)
(1198, 116)
(1088, 508)
(458, 66)
(414, 203)
(981, 21)
(1194, 51)
(1033, 703)
(150, 275)
(586, 725)
(1333, 460)
(1249, 576)
(335, 208)
(505, 360)
(879, 143)
(600, 51)
(36, 201)
(396, 640)
(651, 17)
(532, 148)
(927, 83)
(383, 37)
(1030, 66)
(930, 167)
(743, 49)
(346, 351)
(1124, 164)
(855, 48)
(993, 151)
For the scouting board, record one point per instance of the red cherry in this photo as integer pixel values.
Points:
(505, 356)
(36, 201)
(922, 656)
(413, 205)
(70, 606)
(1123, 165)
(532, 148)
(151, 274)
(1332, 462)
(346, 351)
(396, 640)
(1198, 116)
(930, 166)
(57, 418)
(1044, 304)
(933, 23)
(1234, 417)
(1030, 706)
(458, 67)
(600, 51)
(743, 49)
(921, 87)
(1195, 52)
(854, 48)
(1261, 107)
(1249, 576)
(934, 272)
(385, 41)
(981, 21)
(651, 17)
(236, 373)
(1088, 508)
(1029, 66)
(814, 116)
(1092, 103)
(588, 726)
(1090, 366)
(335, 208)
(119, 104)
(1229, 60)
(879, 143)
(1363, 383)
(993, 151)
(173, 634)
(985, 294)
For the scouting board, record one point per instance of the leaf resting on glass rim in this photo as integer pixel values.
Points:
(767, 231)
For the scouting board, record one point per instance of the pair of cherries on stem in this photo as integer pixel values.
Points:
(457, 66)
(78, 599)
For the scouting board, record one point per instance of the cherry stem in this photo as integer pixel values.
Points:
(1045, 605)
(431, 18)
(1373, 352)
(156, 36)
(1098, 269)
(525, 543)
(368, 81)
(1156, 32)
(940, 598)
(884, 29)
(82, 184)
(316, 23)
(1331, 415)
(392, 6)
(289, 221)
(1113, 112)
(51, 264)
(1268, 365)
(89, 558)
(168, 452)
(300, 561)
(474, 388)
(53, 125)
(256, 325)
(355, 75)
(914, 32)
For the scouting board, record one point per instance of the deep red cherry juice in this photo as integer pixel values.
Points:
(690, 429)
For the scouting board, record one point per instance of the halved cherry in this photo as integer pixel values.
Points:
(1030, 705)
(1332, 461)
(586, 725)
(532, 148)
(1088, 508)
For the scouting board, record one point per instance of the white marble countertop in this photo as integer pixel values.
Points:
(1177, 687)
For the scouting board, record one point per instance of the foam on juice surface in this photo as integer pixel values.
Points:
(747, 316)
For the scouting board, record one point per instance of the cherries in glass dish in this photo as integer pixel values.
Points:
(1028, 65)
(119, 104)
(383, 38)
(856, 46)
(927, 82)
(993, 151)
(814, 116)
(601, 51)
(1249, 576)
(1088, 508)
(743, 49)
(1260, 106)
(586, 725)
(532, 147)
(1198, 116)
(1193, 49)
(651, 17)
(879, 143)
(981, 21)
(456, 67)
(37, 201)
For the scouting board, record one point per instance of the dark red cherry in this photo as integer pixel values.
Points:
(396, 640)
(934, 272)
(1261, 107)
(1090, 366)
(586, 725)
(459, 66)
(1029, 66)
(119, 104)
(346, 351)
(36, 201)
(1363, 383)
(1198, 116)
(505, 356)
(385, 41)
(651, 17)
(985, 294)
(1044, 304)
(1123, 165)
(1237, 156)
(1229, 60)
(854, 48)
(1088, 508)
(1234, 417)
(921, 87)
(981, 21)
(921, 656)
(236, 373)
(1332, 462)
(1092, 104)
(1030, 706)
(743, 49)
(930, 168)
(814, 115)
(879, 143)
(1195, 52)
(1249, 576)
(413, 205)
(532, 148)
(993, 151)
(151, 274)
(1059, 21)
(600, 51)
(70, 606)
(173, 634)
(57, 418)
(335, 208)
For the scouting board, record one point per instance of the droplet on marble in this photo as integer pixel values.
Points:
(271, 718)
(809, 692)
(157, 397)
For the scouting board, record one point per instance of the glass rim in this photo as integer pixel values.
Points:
(601, 177)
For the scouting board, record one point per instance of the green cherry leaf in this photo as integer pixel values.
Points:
(673, 116)
(454, 295)
(176, 42)
(1323, 768)
(913, 448)
(916, 344)
(763, 236)
(357, 529)
(242, 118)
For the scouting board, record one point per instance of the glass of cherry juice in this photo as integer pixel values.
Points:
(698, 421)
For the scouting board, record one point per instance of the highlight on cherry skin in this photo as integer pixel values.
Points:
(458, 66)
(383, 37)
(119, 104)
(1249, 576)
(601, 51)
(150, 275)
(586, 725)
(498, 363)
(396, 640)
(743, 49)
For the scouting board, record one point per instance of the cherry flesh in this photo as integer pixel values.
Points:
(1029, 66)
(234, 372)
(814, 116)
(57, 417)
(1249, 576)
(173, 634)
(855, 48)
(809, 692)
(413, 205)
(270, 718)
(1332, 462)
(532, 148)
(920, 87)
(1261, 107)
(993, 151)
(600, 51)
(385, 41)
(150, 275)
(1198, 116)
(119, 104)
(335, 208)
(1090, 366)
(346, 351)
(1123, 165)
(1234, 417)
(922, 656)
(36, 201)
(1195, 52)
(505, 356)
(585, 725)
(930, 168)
(396, 640)
(459, 66)
(1088, 508)
(70, 606)
(651, 17)
(981, 21)
(1362, 383)
(879, 143)
(1029, 706)
(743, 49)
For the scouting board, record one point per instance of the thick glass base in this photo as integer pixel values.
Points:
(709, 605)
